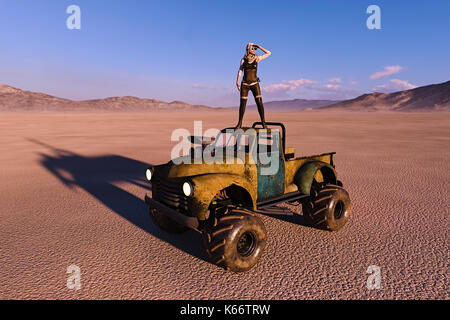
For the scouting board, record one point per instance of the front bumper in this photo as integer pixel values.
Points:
(190, 222)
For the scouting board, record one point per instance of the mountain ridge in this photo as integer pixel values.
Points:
(16, 100)
(429, 98)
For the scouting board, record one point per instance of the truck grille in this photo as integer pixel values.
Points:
(170, 194)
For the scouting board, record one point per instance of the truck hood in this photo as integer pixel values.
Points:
(185, 169)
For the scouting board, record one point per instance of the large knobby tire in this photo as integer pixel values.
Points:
(328, 207)
(166, 223)
(235, 240)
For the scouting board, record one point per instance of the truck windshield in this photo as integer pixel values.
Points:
(237, 141)
(268, 141)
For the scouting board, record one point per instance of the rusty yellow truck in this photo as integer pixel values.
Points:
(239, 175)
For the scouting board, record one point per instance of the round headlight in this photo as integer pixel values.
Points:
(187, 189)
(149, 174)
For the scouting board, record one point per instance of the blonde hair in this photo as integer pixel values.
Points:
(247, 51)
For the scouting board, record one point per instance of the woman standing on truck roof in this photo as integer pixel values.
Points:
(249, 64)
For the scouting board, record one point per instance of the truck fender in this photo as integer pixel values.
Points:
(305, 175)
(207, 186)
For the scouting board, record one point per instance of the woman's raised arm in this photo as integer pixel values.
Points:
(266, 54)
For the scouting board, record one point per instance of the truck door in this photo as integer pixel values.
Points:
(270, 165)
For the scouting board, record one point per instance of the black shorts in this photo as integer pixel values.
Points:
(254, 88)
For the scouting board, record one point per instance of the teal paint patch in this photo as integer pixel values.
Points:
(272, 185)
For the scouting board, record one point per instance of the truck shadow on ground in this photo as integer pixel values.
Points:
(98, 175)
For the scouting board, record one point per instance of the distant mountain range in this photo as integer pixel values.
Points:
(431, 98)
(435, 97)
(16, 100)
(293, 105)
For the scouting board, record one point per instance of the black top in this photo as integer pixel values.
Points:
(250, 70)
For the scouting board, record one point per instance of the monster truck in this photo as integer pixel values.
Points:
(222, 199)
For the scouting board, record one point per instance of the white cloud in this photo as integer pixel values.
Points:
(333, 87)
(310, 89)
(395, 84)
(353, 83)
(290, 85)
(388, 71)
(335, 80)
(278, 87)
(403, 84)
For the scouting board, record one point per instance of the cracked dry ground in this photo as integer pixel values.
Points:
(72, 186)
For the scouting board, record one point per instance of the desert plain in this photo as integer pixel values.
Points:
(72, 188)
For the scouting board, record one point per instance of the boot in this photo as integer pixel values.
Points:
(259, 103)
(241, 113)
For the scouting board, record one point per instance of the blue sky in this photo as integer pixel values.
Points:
(190, 50)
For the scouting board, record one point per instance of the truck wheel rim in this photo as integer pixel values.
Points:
(246, 244)
(339, 210)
